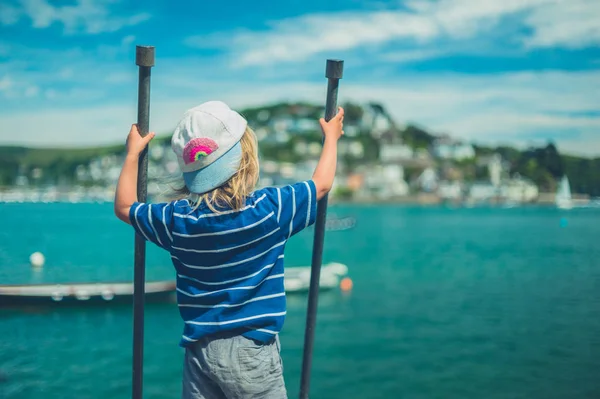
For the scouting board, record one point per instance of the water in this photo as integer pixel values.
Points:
(468, 303)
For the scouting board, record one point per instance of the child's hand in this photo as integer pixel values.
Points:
(333, 128)
(135, 142)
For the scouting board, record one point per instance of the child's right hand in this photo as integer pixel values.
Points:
(333, 128)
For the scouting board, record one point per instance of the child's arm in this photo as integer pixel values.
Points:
(126, 193)
(325, 170)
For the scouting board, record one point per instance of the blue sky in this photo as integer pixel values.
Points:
(517, 72)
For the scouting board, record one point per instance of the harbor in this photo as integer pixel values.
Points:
(464, 294)
(315, 199)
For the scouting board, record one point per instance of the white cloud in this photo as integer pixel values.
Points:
(40, 12)
(67, 72)
(570, 23)
(127, 40)
(513, 108)
(86, 16)
(298, 38)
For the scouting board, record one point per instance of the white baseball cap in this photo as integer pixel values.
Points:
(207, 144)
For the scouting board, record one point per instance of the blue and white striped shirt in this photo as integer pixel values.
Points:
(230, 264)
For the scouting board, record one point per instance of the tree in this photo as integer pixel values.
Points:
(552, 161)
(353, 113)
(417, 138)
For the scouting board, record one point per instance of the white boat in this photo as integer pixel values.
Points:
(563, 194)
(339, 224)
(297, 279)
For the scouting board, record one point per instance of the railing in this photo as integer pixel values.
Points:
(145, 61)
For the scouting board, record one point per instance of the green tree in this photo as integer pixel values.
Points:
(353, 113)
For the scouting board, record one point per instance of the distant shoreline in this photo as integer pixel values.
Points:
(408, 201)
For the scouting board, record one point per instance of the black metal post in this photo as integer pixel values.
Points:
(333, 73)
(144, 58)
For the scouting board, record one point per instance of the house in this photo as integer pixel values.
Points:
(304, 125)
(81, 173)
(384, 181)
(495, 169)
(263, 116)
(261, 133)
(519, 190)
(269, 166)
(428, 180)
(156, 152)
(351, 130)
(482, 192)
(282, 124)
(355, 181)
(463, 151)
(282, 137)
(449, 149)
(301, 148)
(353, 148)
(450, 190)
(395, 153)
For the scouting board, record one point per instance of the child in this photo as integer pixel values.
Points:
(227, 242)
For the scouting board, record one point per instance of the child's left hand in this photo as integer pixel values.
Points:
(135, 142)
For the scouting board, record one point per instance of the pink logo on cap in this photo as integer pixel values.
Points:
(197, 148)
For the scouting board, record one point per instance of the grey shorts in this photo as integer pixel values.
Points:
(233, 367)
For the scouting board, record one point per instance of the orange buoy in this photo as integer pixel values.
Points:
(346, 284)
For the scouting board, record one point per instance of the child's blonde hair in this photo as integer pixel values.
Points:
(233, 193)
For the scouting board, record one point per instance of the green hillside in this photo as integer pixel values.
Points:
(542, 165)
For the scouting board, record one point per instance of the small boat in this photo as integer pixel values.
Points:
(563, 194)
(339, 224)
(79, 293)
(297, 279)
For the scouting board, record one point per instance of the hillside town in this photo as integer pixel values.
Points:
(375, 165)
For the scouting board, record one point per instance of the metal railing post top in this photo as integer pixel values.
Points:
(335, 69)
(144, 56)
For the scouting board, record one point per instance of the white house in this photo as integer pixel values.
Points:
(483, 191)
(395, 152)
(282, 124)
(519, 190)
(464, 151)
(307, 125)
(351, 131)
(261, 133)
(495, 169)
(450, 190)
(384, 181)
(446, 148)
(428, 180)
(156, 152)
(354, 148)
(301, 148)
(287, 170)
(263, 115)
